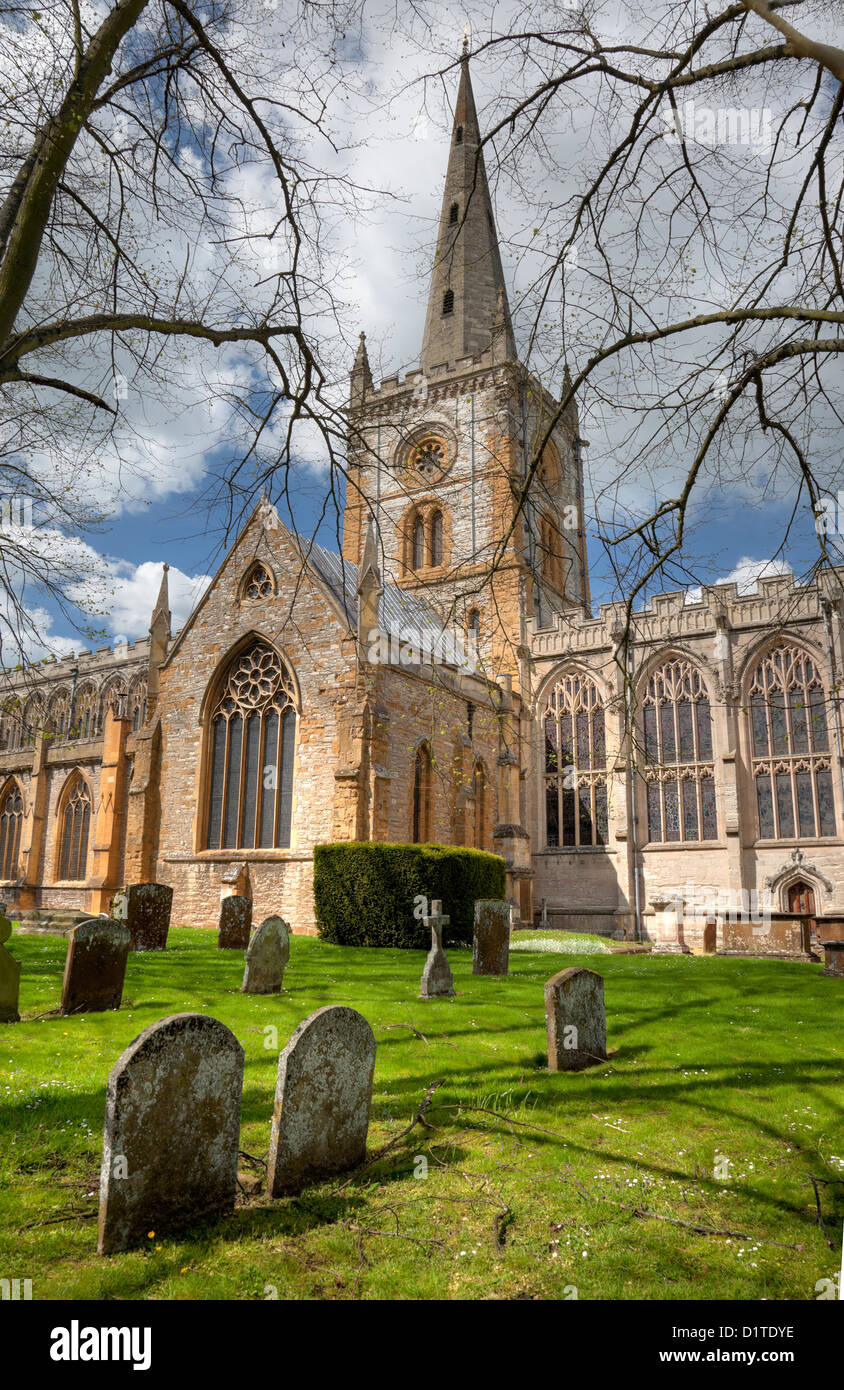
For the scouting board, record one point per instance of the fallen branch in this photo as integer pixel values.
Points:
(70, 1216)
(262, 1162)
(499, 1221)
(418, 1119)
(704, 1230)
(821, 1223)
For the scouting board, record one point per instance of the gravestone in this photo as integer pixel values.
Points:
(95, 966)
(235, 923)
(10, 977)
(172, 1131)
(145, 910)
(266, 957)
(436, 979)
(833, 958)
(491, 940)
(575, 1020)
(322, 1099)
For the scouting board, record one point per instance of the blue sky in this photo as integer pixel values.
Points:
(398, 145)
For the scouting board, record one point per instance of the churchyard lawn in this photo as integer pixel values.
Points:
(680, 1169)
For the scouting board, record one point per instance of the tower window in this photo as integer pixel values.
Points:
(419, 543)
(458, 135)
(437, 538)
(453, 213)
(448, 302)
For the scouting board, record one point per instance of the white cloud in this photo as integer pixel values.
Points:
(136, 590)
(132, 593)
(746, 576)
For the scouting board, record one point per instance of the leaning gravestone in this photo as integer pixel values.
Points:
(266, 957)
(172, 1131)
(322, 1099)
(145, 909)
(235, 923)
(437, 980)
(10, 977)
(575, 1020)
(95, 966)
(491, 941)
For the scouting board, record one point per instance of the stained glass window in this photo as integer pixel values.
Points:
(422, 795)
(250, 794)
(76, 821)
(677, 746)
(258, 583)
(575, 764)
(11, 820)
(790, 746)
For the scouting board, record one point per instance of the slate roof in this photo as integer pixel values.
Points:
(398, 610)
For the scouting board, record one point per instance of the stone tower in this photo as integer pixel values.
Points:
(438, 458)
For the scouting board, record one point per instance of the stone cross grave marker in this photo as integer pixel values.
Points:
(145, 909)
(10, 977)
(95, 966)
(235, 923)
(575, 1019)
(266, 958)
(322, 1099)
(491, 940)
(436, 979)
(172, 1131)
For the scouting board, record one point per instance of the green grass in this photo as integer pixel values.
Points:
(531, 1178)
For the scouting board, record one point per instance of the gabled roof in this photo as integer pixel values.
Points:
(398, 609)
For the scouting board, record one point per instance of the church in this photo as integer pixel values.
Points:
(443, 678)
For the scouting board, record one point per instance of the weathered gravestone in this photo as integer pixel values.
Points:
(575, 1020)
(833, 958)
(172, 1131)
(436, 979)
(322, 1099)
(235, 923)
(266, 957)
(95, 966)
(145, 910)
(10, 977)
(491, 940)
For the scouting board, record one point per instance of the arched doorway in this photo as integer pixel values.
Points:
(801, 900)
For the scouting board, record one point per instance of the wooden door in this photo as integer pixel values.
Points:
(801, 900)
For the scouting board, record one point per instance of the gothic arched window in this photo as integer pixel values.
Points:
(11, 821)
(551, 547)
(113, 698)
(258, 582)
(575, 764)
(33, 718)
(85, 720)
(479, 786)
(138, 704)
(59, 714)
(790, 747)
(75, 823)
(418, 561)
(437, 538)
(11, 727)
(423, 795)
(252, 740)
(679, 770)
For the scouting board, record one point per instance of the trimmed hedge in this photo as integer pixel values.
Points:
(364, 891)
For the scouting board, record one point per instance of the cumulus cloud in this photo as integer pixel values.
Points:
(136, 590)
(746, 576)
(132, 593)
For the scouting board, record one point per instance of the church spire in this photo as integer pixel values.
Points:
(467, 282)
(160, 624)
